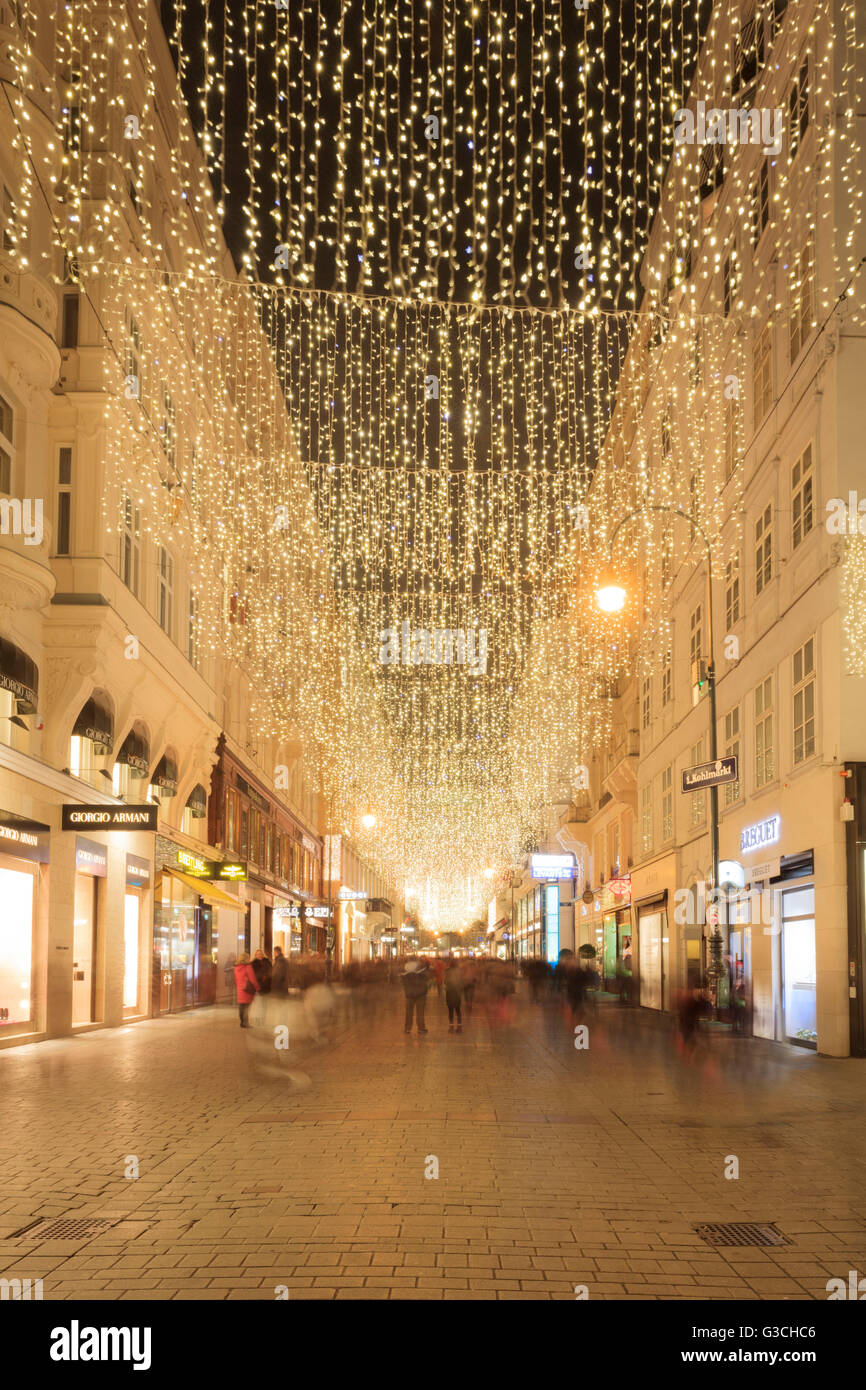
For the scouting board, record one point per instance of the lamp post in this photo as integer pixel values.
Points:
(611, 599)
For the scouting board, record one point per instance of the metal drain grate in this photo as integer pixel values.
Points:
(741, 1233)
(64, 1228)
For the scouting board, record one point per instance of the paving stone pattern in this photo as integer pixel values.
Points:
(557, 1167)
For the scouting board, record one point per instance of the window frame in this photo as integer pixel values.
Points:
(800, 688)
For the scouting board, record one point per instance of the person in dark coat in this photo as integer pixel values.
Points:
(454, 995)
(280, 974)
(263, 971)
(416, 982)
(246, 987)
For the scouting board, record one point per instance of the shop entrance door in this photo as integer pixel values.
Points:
(16, 944)
(205, 969)
(131, 943)
(650, 931)
(799, 969)
(84, 949)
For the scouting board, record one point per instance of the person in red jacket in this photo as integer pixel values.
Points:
(246, 986)
(439, 973)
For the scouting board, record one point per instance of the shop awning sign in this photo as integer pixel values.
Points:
(552, 866)
(695, 779)
(75, 817)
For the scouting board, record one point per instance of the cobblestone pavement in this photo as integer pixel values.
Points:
(557, 1166)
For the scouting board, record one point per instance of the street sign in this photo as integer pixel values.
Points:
(75, 817)
(710, 774)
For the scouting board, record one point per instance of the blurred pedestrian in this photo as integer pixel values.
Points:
(416, 982)
(280, 973)
(454, 995)
(246, 987)
(439, 973)
(263, 971)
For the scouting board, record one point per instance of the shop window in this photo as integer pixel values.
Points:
(801, 497)
(92, 742)
(804, 701)
(18, 895)
(764, 739)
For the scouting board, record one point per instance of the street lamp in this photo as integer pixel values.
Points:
(368, 820)
(609, 602)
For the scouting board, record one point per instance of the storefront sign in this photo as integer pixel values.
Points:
(192, 863)
(90, 858)
(76, 817)
(137, 872)
(759, 873)
(620, 887)
(710, 774)
(351, 895)
(23, 839)
(234, 870)
(765, 832)
(317, 912)
(552, 866)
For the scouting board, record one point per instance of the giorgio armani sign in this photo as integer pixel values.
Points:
(110, 817)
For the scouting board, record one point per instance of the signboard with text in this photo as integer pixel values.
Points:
(710, 774)
(75, 817)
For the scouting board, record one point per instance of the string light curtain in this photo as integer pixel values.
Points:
(388, 409)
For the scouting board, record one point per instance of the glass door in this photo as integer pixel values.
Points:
(799, 967)
(84, 950)
(16, 944)
(131, 944)
(650, 949)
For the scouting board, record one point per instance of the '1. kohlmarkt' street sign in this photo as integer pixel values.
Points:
(709, 774)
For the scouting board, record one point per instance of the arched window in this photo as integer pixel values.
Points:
(19, 685)
(163, 783)
(132, 764)
(92, 741)
(194, 812)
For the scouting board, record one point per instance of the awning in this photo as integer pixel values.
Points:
(165, 777)
(196, 802)
(206, 889)
(135, 754)
(96, 722)
(19, 675)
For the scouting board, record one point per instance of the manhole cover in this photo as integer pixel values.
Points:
(64, 1228)
(741, 1233)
